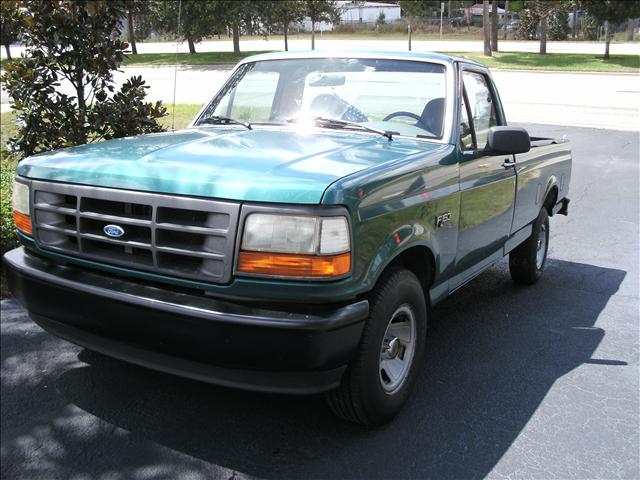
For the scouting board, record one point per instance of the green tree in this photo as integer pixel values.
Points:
(486, 28)
(189, 20)
(135, 10)
(494, 26)
(281, 14)
(611, 12)
(9, 23)
(544, 9)
(411, 11)
(321, 11)
(76, 42)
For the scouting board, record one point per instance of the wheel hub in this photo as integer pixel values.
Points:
(397, 349)
(391, 348)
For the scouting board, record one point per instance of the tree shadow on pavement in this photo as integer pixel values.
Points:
(494, 351)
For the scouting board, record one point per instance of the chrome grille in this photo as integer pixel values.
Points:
(178, 236)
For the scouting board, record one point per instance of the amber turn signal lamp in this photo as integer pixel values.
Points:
(288, 265)
(22, 222)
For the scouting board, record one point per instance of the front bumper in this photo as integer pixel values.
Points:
(276, 348)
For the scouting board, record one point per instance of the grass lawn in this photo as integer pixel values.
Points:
(206, 58)
(566, 62)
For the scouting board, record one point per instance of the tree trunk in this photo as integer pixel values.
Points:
(486, 28)
(494, 26)
(449, 10)
(132, 38)
(543, 35)
(192, 47)
(607, 40)
(286, 36)
(8, 50)
(506, 19)
(235, 30)
(631, 27)
(313, 35)
(409, 32)
(575, 22)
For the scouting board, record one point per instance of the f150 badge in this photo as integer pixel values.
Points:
(443, 219)
(113, 231)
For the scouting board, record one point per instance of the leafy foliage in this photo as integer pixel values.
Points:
(8, 235)
(197, 19)
(528, 25)
(612, 11)
(558, 25)
(63, 89)
(10, 25)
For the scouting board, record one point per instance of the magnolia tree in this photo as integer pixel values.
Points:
(63, 90)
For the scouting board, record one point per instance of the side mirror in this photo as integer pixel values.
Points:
(507, 141)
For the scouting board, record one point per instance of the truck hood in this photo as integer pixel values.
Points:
(264, 165)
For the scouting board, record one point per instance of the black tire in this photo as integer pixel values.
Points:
(523, 260)
(361, 396)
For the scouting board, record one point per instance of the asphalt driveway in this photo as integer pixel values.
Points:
(537, 382)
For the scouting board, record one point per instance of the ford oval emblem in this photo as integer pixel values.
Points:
(113, 231)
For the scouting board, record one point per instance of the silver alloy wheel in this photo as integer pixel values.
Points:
(398, 347)
(541, 247)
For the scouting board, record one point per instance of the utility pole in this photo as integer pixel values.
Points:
(441, 15)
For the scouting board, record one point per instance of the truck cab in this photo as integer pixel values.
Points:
(294, 237)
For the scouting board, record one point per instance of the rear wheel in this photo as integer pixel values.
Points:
(379, 380)
(527, 261)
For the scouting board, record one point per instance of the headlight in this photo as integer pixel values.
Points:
(21, 212)
(295, 246)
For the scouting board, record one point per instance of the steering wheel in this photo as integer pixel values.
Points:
(418, 119)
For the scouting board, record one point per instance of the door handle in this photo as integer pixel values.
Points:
(509, 164)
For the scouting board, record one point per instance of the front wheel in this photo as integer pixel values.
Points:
(527, 261)
(379, 380)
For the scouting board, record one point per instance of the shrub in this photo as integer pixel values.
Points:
(558, 25)
(528, 25)
(8, 235)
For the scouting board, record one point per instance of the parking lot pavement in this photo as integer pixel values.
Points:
(535, 382)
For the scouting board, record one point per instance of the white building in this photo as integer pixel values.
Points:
(359, 12)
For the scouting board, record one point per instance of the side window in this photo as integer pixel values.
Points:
(481, 105)
(466, 134)
(252, 99)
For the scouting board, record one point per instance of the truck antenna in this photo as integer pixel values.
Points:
(175, 72)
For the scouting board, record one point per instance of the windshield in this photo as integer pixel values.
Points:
(400, 96)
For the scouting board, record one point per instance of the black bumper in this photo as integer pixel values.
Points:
(289, 349)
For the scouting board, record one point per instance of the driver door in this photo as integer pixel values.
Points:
(487, 183)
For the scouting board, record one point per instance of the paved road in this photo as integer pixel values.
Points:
(538, 382)
(609, 101)
(225, 45)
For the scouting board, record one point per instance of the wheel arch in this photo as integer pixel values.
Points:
(551, 197)
(419, 259)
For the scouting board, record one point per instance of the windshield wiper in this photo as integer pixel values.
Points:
(338, 123)
(217, 120)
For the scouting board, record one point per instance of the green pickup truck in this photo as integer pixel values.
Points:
(294, 237)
